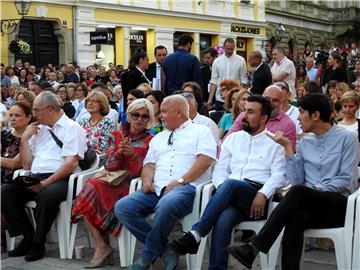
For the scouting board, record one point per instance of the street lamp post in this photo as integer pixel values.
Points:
(280, 30)
(10, 26)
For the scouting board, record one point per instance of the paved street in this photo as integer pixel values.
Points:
(314, 259)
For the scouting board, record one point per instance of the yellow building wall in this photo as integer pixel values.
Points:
(8, 11)
(151, 44)
(119, 50)
(149, 20)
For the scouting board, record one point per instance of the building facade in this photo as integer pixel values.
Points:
(314, 23)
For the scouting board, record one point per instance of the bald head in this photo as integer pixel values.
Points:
(255, 58)
(174, 111)
(276, 97)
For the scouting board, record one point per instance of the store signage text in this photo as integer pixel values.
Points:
(98, 37)
(137, 38)
(245, 29)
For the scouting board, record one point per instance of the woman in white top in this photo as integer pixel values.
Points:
(349, 105)
(10, 72)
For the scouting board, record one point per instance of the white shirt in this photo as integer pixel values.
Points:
(173, 161)
(233, 67)
(257, 158)
(206, 121)
(113, 115)
(48, 156)
(293, 113)
(76, 103)
(15, 79)
(288, 67)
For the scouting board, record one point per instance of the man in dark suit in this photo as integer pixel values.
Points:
(209, 56)
(156, 71)
(262, 74)
(181, 66)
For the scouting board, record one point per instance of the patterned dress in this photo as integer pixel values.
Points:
(97, 199)
(10, 147)
(98, 135)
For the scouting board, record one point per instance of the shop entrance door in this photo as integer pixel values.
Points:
(43, 42)
(241, 46)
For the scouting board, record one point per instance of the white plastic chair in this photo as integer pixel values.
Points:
(268, 261)
(342, 237)
(356, 244)
(127, 241)
(63, 218)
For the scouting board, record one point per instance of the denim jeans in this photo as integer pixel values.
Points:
(133, 209)
(229, 206)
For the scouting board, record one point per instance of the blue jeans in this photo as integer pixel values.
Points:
(229, 206)
(133, 209)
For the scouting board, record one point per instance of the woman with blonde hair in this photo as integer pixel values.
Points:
(350, 102)
(227, 119)
(98, 127)
(240, 101)
(96, 201)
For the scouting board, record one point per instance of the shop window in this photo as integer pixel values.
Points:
(137, 41)
(241, 46)
(177, 35)
(205, 42)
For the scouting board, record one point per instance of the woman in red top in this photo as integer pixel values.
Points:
(96, 201)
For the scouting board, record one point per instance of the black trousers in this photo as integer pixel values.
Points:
(47, 207)
(300, 209)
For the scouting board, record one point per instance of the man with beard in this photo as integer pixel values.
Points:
(245, 176)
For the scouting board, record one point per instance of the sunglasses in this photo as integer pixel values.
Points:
(137, 116)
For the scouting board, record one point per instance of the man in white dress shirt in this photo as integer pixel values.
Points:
(49, 163)
(178, 159)
(251, 166)
(283, 69)
(228, 66)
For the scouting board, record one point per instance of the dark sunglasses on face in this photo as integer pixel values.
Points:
(137, 116)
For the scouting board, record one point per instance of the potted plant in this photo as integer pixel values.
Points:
(19, 46)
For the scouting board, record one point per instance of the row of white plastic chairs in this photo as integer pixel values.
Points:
(346, 239)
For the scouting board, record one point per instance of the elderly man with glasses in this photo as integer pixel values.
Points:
(178, 159)
(51, 165)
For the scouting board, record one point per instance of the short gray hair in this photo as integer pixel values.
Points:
(141, 103)
(180, 101)
(50, 99)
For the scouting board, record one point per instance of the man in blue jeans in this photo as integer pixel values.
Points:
(250, 168)
(178, 159)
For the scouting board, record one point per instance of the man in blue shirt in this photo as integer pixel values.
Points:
(181, 66)
(310, 70)
(323, 173)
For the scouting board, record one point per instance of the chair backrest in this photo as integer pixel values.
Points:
(216, 116)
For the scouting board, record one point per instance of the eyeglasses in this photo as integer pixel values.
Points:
(92, 100)
(187, 94)
(34, 110)
(137, 116)
(171, 138)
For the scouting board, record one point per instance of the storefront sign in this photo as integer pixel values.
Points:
(241, 44)
(238, 28)
(137, 41)
(99, 38)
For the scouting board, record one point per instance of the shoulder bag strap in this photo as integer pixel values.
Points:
(56, 139)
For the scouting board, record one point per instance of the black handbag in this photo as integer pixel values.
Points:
(89, 156)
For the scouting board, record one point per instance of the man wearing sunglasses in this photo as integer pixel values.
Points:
(178, 159)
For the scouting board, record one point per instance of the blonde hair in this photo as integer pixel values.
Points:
(103, 102)
(141, 103)
(236, 111)
(350, 96)
(343, 87)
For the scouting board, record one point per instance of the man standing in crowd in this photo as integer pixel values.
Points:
(245, 181)
(210, 55)
(323, 173)
(49, 163)
(278, 121)
(102, 77)
(155, 70)
(181, 66)
(32, 70)
(335, 70)
(178, 159)
(228, 66)
(283, 69)
(262, 75)
(310, 69)
(70, 75)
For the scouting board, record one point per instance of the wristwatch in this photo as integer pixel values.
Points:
(181, 181)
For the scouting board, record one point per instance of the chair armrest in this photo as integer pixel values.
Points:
(206, 195)
(135, 184)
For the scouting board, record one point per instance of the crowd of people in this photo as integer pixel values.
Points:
(249, 126)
